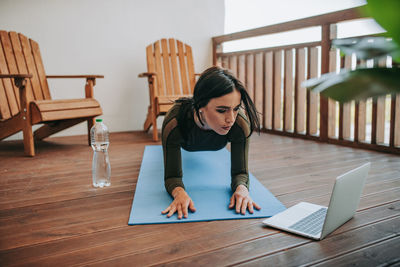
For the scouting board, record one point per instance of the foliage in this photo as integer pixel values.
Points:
(363, 83)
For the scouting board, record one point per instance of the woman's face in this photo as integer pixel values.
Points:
(220, 113)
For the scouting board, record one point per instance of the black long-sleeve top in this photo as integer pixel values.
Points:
(197, 139)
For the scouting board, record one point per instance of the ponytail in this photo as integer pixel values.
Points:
(185, 111)
(251, 112)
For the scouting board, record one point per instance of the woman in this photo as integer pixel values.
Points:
(208, 121)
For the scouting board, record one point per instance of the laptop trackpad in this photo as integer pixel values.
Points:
(293, 214)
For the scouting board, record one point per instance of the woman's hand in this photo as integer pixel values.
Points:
(181, 203)
(242, 200)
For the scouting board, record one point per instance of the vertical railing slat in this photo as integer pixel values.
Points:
(362, 115)
(225, 62)
(362, 120)
(333, 57)
(218, 61)
(347, 106)
(300, 92)
(258, 82)
(373, 120)
(242, 69)
(392, 119)
(380, 116)
(233, 65)
(277, 89)
(288, 91)
(356, 124)
(268, 96)
(340, 136)
(308, 92)
(250, 75)
(380, 120)
(313, 101)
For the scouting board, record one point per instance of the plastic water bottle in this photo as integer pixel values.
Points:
(101, 169)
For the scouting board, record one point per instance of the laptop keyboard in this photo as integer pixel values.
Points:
(312, 224)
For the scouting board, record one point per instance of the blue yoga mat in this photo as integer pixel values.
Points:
(206, 175)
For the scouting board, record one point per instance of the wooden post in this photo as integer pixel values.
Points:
(392, 119)
(217, 48)
(325, 47)
(308, 96)
(374, 119)
(356, 121)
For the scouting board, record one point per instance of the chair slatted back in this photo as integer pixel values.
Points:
(20, 55)
(172, 60)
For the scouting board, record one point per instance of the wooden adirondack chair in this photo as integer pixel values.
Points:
(170, 75)
(28, 101)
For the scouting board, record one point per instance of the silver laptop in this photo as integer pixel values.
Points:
(315, 221)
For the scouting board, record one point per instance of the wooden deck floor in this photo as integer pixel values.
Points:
(50, 215)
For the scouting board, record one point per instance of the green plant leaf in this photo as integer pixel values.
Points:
(386, 13)
(367, 47)
(356, 84)
(324, 78)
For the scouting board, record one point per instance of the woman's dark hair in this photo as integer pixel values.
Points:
(215, 82)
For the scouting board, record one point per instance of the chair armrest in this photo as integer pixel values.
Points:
(90, 81)
(19, 80)
(75, 76)
(16, 76)
(147, 74)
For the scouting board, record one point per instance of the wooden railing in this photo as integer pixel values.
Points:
(289, 109)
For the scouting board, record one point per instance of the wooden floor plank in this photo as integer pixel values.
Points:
(335, 245)
(270, 251)
(117, 244)
(375, 255)
(51, 215)
(82, 222)
(204, 247)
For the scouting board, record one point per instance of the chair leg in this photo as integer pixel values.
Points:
(25, 117)
(90, 123)
(155, 132)
(149, 119)
(29, 145)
